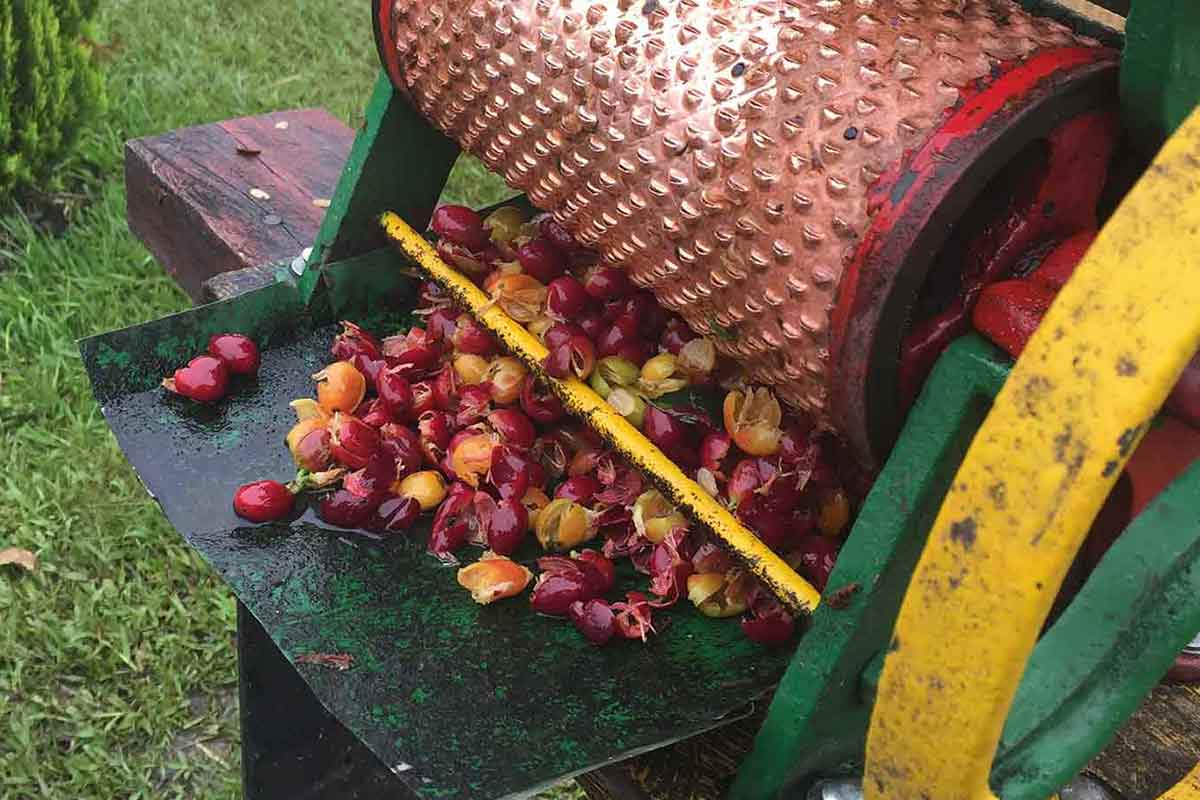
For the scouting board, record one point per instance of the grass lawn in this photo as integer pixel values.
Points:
(116, 659)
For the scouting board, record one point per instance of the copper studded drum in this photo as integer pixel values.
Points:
(731, 155)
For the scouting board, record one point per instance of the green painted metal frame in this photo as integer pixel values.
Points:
(398, 162)
(1088, 673)
(1085, 676)
(1109, 648)
(1160, 69)
(818, 717)
(817, 721)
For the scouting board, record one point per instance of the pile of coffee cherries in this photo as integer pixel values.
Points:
(438, 419)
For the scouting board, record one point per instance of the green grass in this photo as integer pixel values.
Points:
(117, 658)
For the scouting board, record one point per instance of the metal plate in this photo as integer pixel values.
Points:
(460, 700)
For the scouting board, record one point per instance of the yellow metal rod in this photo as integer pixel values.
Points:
(1186, 789)
(1072, 410)
(791, 589)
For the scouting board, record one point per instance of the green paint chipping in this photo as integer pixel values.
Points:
(817, 722)
(107, 357)
(614, 715)
(426, 657)
(719, 331)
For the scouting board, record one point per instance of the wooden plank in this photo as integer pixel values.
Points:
(1156, 747)
(234, 194)
(699, 768)
(225, 285)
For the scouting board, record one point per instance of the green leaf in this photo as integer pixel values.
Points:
(706, 398)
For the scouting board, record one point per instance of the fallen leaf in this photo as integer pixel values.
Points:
(259, 194)
(339, 661)
(103, 51)
(20, 557)
(247, 150)
(841, 598)
(281, 125)
(321, 202)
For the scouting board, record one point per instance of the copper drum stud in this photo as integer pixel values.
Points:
(780, 172)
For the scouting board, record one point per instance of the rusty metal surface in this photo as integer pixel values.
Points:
(722, 152)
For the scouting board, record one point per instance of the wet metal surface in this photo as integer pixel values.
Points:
(461, 700)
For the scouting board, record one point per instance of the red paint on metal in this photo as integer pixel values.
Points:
(1008, 312)
(1168, 448)
(915, 203)
(983, 100)
(1060, 263)
(1186, 669)
(385, 41)
(1184, 400)
(1059, 201)
(924, 343)
(1008, 87)
(1055, 197)
(979, 103)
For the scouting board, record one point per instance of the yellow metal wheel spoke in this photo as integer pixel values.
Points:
(1186, 789)
(791, 589)
(1073, 409)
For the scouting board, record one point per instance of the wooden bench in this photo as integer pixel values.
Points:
(221, 206)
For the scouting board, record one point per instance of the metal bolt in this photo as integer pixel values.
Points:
(299, 261)
(837, 789)
(1083, 787)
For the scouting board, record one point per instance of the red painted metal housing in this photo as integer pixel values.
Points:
(1061, 98)
(783, 173)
